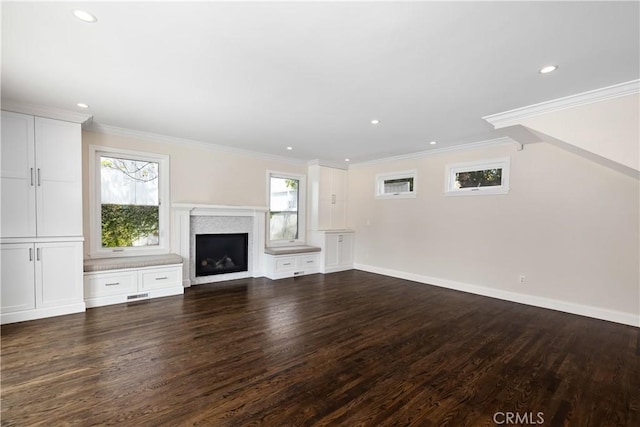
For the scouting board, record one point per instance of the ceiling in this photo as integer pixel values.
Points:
(312, 75)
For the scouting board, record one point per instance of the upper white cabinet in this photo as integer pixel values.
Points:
(327, 197)
(41, 177)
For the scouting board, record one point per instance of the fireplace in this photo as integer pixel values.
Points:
(221, 253)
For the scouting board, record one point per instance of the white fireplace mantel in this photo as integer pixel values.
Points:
(181, 214)
(219, 210)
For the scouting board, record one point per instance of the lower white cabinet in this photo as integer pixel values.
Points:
(132, 284)
(337, 249)
(40, 280)
(290, 265)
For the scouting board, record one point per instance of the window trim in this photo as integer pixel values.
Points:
(382, 177)
(451, 170)
(164, 197)
(302, 215)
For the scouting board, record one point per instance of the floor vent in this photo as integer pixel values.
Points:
(137, 297)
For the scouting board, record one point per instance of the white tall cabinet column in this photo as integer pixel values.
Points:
(41, 211)
(327, 189)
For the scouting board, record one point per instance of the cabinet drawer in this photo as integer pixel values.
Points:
(308, 261)
(285, 264)
(110, 284)
(161, 278)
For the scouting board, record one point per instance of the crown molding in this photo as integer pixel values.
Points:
(164, 139)
(505, 140)
(514, 117)
(329, 164)
(48, 112)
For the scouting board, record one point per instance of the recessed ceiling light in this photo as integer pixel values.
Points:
(375, 121)
(548, 69)
(84, 16)
(347, 160)
(82, 105)
(433, 143)
(289, 148)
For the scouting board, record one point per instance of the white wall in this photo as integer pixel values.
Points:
(568, 224)
(198, 174)
(613, 129)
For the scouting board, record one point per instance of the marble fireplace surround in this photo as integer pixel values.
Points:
(188, 219)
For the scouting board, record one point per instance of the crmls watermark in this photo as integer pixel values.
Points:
(517, 418)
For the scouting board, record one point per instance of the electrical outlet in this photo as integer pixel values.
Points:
(522, 279)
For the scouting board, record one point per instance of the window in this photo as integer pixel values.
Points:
(129, 202)
(396, 184)
(485, 177)
(286, 208)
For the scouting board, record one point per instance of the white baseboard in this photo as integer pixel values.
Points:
(41, 313)
(567, 307)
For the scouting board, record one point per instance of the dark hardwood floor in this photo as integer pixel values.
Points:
(347, 349)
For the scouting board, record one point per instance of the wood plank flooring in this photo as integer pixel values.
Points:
(345, 349)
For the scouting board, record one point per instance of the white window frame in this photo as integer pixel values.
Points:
(382, 177)
(302, 215)
(452, 169)
(164, 215)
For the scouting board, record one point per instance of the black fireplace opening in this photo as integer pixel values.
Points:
(221, 253)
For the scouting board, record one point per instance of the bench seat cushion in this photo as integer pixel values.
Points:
(102, 264)
(288, 250)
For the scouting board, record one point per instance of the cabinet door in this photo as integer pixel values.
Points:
(339, 184)
(17, 176)
(59, 274)
(324, 214)
(58, 177)
(345, 245)
(18, 284)
(332, 254)
(338, 215)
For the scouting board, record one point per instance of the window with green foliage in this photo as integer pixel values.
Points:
(129, 202)
(482, 178)
(128, 212)
(286, 201)
(486, 177)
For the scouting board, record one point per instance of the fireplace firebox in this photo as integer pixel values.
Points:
(221, 253)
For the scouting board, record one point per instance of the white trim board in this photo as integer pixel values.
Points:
(515, 116)
(505, 140)
(567, 307)
(43, 312)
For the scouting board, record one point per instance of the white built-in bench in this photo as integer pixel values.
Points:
(289, 261)
(117, 280)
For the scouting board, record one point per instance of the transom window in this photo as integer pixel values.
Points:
(485, 177)
(286, 208)
(128, 213)
(396, 184)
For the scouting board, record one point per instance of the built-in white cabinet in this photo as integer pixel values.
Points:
(327, 188)
(291, 265)
(41, 177)
(40, 280)
(132, 284)
(41, 217)
(337, 249)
